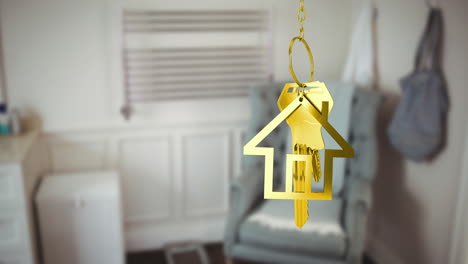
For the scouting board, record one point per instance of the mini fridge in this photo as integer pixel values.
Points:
(80, 218)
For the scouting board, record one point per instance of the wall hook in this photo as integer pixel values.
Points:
(431, 5)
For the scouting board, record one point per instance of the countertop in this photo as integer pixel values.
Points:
(14, 148)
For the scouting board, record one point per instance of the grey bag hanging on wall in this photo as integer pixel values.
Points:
(417, 128)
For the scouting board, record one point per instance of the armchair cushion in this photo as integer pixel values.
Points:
(272, 226)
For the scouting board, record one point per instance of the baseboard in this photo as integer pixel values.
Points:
(153, 236)
(381, 253)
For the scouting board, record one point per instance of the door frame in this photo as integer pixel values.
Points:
(459, 240)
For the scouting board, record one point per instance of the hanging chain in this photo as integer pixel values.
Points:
(301, 16)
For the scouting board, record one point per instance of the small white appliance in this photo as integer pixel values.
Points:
(80, 218)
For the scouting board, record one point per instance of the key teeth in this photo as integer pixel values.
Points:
(317, 177)
(317, 170)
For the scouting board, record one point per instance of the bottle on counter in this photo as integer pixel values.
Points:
(4, 120)
(15, 122)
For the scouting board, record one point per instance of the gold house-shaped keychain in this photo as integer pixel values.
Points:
(305, 108)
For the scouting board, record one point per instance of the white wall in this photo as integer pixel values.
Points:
(414, 204)
(54, 57)
(61, 56)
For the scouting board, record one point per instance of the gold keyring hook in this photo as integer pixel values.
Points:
(311, 58)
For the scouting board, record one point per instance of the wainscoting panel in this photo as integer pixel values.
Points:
(78, 154)
(206, 173)
(175, 180)
(146, 178)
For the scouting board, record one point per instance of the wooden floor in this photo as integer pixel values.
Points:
(214, 251)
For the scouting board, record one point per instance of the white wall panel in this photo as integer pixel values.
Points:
(171, 176)
(74, 155)
(147, 178)
(206, 173)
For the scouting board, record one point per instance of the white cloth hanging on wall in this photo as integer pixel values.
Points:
(360, 67)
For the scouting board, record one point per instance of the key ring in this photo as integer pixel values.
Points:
(311, 58)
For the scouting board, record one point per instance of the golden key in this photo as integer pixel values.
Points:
(306, 139)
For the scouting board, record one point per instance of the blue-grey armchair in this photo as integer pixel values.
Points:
(340, 235)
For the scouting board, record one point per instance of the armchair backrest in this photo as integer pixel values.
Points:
(263, 107)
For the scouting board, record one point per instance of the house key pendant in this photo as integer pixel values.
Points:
(305, 108)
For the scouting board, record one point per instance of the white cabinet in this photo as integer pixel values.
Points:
(20, 167)
(80, 218)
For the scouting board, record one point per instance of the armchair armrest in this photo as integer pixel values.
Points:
(245, 193)
(359, 191)
(357, 208)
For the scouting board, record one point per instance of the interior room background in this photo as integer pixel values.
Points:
(63, 62)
